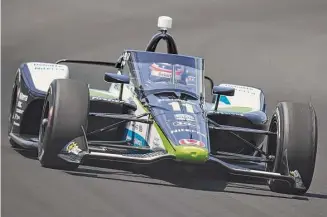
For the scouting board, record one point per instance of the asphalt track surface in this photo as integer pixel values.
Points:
(280, 46)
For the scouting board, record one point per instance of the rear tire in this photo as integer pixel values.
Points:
(296, 127)
(66, 110)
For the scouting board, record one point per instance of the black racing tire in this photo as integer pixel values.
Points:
(66, 110)
(297, 133)
(12, 108)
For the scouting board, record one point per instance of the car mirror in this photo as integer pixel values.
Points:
(116, 78)
(223, 90)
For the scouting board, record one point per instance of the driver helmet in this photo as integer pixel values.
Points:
(163, 72)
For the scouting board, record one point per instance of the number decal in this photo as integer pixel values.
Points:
(176, 107)
(189, 108)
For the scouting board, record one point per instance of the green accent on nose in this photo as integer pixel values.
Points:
(191, 154)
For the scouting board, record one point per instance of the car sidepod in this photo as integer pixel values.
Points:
(30, 86)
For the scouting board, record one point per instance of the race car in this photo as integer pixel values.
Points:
(156, 109)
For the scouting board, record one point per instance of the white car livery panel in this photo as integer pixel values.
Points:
(245, 99)
(42, 74)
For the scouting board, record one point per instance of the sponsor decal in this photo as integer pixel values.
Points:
(130, 101)
(188, 131)
(103, 99)
(225, 100)
(116, 86)
(191, 142)
(245, 89)
(73, 148)
(22, 97)
(138, 127)
(126, 56)
(161, 74)
(16, 117)
(16, 124)
(19, 111)
(183, 124)
(135, 138)
(190, 79)
(19, 104)
(48, 66)
(175, 100)
(156, 142)
(184, 117)
(138, 142)
(166, 100)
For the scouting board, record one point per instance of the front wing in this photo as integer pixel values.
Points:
(79, 149)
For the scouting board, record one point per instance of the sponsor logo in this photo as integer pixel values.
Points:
(73, 148)
(161, 74)
(190, 79)
(126, 56)
(191, 142)
(130, 100)
(156, 140)
(188, 131)
(138, 142)
(20, 104)
(183, 124)
(103, 99)
(48, 66)
(16, 124)
(244, 89)
(23, 97)
(135, 138)
(19, 111)
(116, 86)
(175, 100)
(138, 127)
(184, 117)
(16, 117)
(165, 100)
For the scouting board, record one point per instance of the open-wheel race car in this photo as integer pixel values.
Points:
(156, 109)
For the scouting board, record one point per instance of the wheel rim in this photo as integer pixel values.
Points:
(43, 128)
(272, 142)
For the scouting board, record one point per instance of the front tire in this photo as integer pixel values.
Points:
(12, 109)
(297, 133)
(65, 112)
